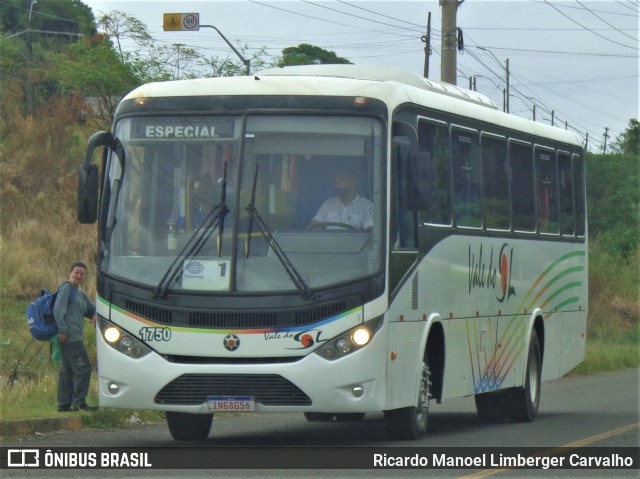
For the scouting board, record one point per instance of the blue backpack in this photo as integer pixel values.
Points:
(42, 325)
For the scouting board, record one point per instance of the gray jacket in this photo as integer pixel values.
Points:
(70, 316)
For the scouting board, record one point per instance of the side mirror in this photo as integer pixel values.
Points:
(88, 179)
(88, 194)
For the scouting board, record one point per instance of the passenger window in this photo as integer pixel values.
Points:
(565, 188)
(578, 181)
(547, 183)
(433, 141)
(522, 199)
(465, 159)
(495, 183)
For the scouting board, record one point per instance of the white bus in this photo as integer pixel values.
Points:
(453, 263)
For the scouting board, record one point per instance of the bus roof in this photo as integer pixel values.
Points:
(394, 85)
(386, 74)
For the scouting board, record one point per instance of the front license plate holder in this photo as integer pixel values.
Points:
(231, 403)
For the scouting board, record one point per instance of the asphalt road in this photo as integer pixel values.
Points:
(588, 411)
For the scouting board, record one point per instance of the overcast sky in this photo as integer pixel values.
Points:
(578, 59)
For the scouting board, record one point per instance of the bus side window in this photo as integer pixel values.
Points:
(495, 183)
(547, 183)
(522, 199)
(435, 184)
(565, 187)
(465, 158)
(578, 181)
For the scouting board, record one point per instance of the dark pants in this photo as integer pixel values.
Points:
(75, 374)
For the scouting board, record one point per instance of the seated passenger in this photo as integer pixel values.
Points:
(204, 199)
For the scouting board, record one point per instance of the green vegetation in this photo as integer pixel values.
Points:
(44, 125)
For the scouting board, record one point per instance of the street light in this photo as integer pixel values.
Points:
(506, 69)
(247, 63)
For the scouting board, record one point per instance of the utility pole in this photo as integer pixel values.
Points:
(427, 46)
(448, 66)
(606, 135)
(178, 45)
(508, 94)
(29, 89)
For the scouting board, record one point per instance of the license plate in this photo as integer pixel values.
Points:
(231, 403)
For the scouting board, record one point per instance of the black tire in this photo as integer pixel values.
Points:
(526, 401)
(189, 427)
(493, 407)
(520, 403)
(350, 417)
(318, 416)
(409, 423)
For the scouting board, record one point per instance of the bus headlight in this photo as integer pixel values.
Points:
(122, 341)
(350, 341)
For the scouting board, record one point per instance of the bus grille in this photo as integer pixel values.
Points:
(243, 319)
(268, 389)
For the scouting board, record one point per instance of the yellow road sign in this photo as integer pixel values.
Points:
(181, 22)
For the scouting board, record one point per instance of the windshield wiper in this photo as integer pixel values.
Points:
(213, 220)
(294, 274)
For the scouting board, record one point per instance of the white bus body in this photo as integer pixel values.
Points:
(471, 281)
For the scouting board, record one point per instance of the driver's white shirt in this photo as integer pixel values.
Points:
(358, 213)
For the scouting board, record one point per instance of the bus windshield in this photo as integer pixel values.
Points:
(301, 197)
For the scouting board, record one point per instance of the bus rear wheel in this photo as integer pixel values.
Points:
(189, 427)
(525, 401)
(409, 423)
(520, 403)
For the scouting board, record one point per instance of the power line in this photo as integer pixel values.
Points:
(603, 20)
(382, 15)
(567, 5)
(354, 16)
(559, 52)
(587, 28)
(310, 16)
(627, 6)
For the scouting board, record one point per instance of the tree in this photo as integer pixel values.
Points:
(117, 26)
(231, 66)
(92, 70)
(305, 54)
(628, 142)
(613, 194)
(33, 32)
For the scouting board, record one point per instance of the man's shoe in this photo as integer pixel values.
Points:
(64, 408)
(84, 407)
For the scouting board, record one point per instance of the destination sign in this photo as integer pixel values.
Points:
(189, 128)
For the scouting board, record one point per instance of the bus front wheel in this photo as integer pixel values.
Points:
(410, 423)
(189, 427)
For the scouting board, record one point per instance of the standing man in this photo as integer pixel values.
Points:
(71, 307)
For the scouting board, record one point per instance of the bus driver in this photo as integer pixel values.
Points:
(347, 207)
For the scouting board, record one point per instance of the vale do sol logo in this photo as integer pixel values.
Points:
(483, 274)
